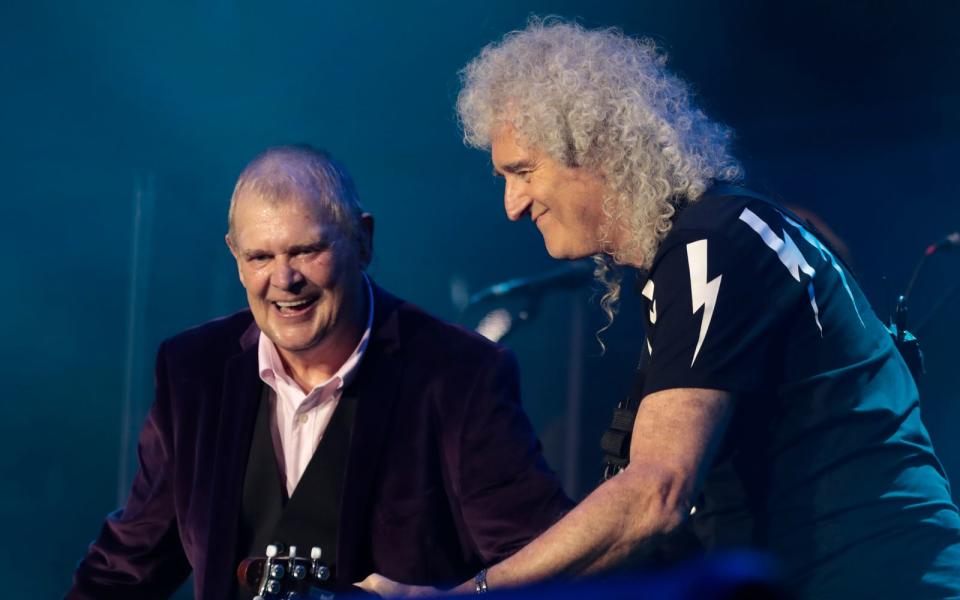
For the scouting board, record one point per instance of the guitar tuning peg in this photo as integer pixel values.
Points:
(315, 553)
(272, 550)
(293, 552)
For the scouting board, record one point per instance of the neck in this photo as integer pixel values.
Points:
(313, 366)
(618, 239)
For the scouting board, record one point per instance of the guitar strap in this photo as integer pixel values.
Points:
(615, 442)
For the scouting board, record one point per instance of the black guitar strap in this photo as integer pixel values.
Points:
(615, 442)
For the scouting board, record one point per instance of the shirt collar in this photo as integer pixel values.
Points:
(272, 369)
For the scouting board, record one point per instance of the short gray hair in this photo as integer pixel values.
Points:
(284, 173)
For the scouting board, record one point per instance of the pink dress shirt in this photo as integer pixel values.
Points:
(298, 420)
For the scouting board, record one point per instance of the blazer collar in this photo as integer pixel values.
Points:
(250, 337)
(376, 389)
(235, 415)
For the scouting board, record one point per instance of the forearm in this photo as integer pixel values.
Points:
(675, 434)
(622, 519)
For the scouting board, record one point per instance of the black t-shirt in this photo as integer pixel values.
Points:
(825, 462)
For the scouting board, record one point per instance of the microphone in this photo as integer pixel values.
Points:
(571, 275)
(907, 343)
(951, 241)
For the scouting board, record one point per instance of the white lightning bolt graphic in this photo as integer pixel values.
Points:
(827, 255)
(702, 292)
(648, 294)
(788, 253)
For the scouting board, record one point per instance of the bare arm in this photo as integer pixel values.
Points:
(675, 436)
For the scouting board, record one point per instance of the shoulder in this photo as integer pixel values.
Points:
(722, 210)
(733, 221)
(714, 212)
(213, 341)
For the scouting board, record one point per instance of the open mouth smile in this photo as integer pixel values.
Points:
(292, 308)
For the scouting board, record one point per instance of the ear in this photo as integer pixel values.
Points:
(236, 256)
(366, 240)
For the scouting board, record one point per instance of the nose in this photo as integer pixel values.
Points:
(285, 275)
(516, 202)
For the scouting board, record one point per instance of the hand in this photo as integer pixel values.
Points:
(387, 588)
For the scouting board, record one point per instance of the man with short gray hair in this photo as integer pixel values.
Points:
(329, 414)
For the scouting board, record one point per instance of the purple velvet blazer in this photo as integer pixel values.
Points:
(444, 475)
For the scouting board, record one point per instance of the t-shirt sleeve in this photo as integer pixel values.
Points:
(713, 315)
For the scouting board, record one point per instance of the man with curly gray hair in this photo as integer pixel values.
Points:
(776, 411)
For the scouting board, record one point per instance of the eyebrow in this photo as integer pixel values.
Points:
(318, 246)
(248, 254)
(514, 167)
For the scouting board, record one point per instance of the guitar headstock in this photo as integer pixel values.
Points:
(290, 577)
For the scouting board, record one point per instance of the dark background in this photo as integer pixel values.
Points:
(847, 108)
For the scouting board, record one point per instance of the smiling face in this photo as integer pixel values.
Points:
(563, 202)
(302, 274)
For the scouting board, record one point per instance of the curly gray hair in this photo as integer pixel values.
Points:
(602, 100)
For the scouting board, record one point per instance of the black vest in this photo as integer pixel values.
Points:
(311, 516)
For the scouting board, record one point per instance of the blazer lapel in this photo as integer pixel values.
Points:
(238, 410)
(376, 387)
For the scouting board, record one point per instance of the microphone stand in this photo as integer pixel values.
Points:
(900, 317)
(907, 344)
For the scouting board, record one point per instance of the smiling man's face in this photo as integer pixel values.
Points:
(565, 203)
(302, 274)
